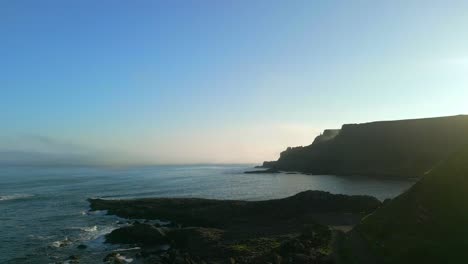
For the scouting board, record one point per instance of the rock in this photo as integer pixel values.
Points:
(114, 258)
(110, 256)
(73, 259)
(81, 246)
(137, 234)
(275, 231)
(271, 170)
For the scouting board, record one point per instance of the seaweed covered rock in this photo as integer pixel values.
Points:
(138, 234)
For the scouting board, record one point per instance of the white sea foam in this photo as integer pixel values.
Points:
(39, 237)
(60, 243)
(97, 212)
(89, 229)
(95, 232)
(14, 197)
(123, 258)
(126, 249)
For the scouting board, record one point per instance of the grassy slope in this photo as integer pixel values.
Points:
(428, 223)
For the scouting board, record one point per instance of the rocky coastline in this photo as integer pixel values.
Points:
(296, 229)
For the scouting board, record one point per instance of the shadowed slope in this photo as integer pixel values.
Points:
(428, 223)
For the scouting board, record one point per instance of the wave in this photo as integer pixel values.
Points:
(86, 229)
(126, 249)
(123, 259)
(95, 213)
(39, 237)
(15, 197)
(61, 243)
(95, 234)
(90, 229)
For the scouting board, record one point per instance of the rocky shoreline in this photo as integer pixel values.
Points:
(295, 229)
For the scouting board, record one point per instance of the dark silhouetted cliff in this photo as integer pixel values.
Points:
(406, 148)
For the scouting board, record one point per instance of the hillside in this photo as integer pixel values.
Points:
(428, 223)
(405, 148)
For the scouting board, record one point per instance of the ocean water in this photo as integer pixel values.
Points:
(44, 212)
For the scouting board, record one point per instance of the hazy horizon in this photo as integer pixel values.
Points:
(162, 82)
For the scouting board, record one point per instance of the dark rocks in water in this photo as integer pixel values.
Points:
(73, 259)
(315, 206)
(113, 258)
(137, 234)
(81, 246)
(268, 164)
(272, 170)
(227, 231)
(399, 149)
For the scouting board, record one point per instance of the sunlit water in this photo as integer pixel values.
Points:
(43, 211)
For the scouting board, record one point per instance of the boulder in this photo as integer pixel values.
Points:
(138, 234)
(81, 246)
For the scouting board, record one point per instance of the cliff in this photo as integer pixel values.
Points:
(405, 148)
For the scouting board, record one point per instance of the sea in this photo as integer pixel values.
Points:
(44, 213)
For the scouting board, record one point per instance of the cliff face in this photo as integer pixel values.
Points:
(428, 223)
(406, 148)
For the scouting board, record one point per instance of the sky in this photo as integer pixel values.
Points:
(209, 81)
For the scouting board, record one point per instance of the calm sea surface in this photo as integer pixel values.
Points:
(44, 213)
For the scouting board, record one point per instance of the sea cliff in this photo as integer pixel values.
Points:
(400, 149)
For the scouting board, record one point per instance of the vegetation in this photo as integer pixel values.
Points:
(428, 223)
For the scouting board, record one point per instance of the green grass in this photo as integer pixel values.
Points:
(259, 245)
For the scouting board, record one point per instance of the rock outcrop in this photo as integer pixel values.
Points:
(289, 230)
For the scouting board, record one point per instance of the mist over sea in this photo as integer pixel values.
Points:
(44, 213)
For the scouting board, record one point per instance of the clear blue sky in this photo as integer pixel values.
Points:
(220, 81)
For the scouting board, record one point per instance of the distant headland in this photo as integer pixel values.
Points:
(399, 149)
